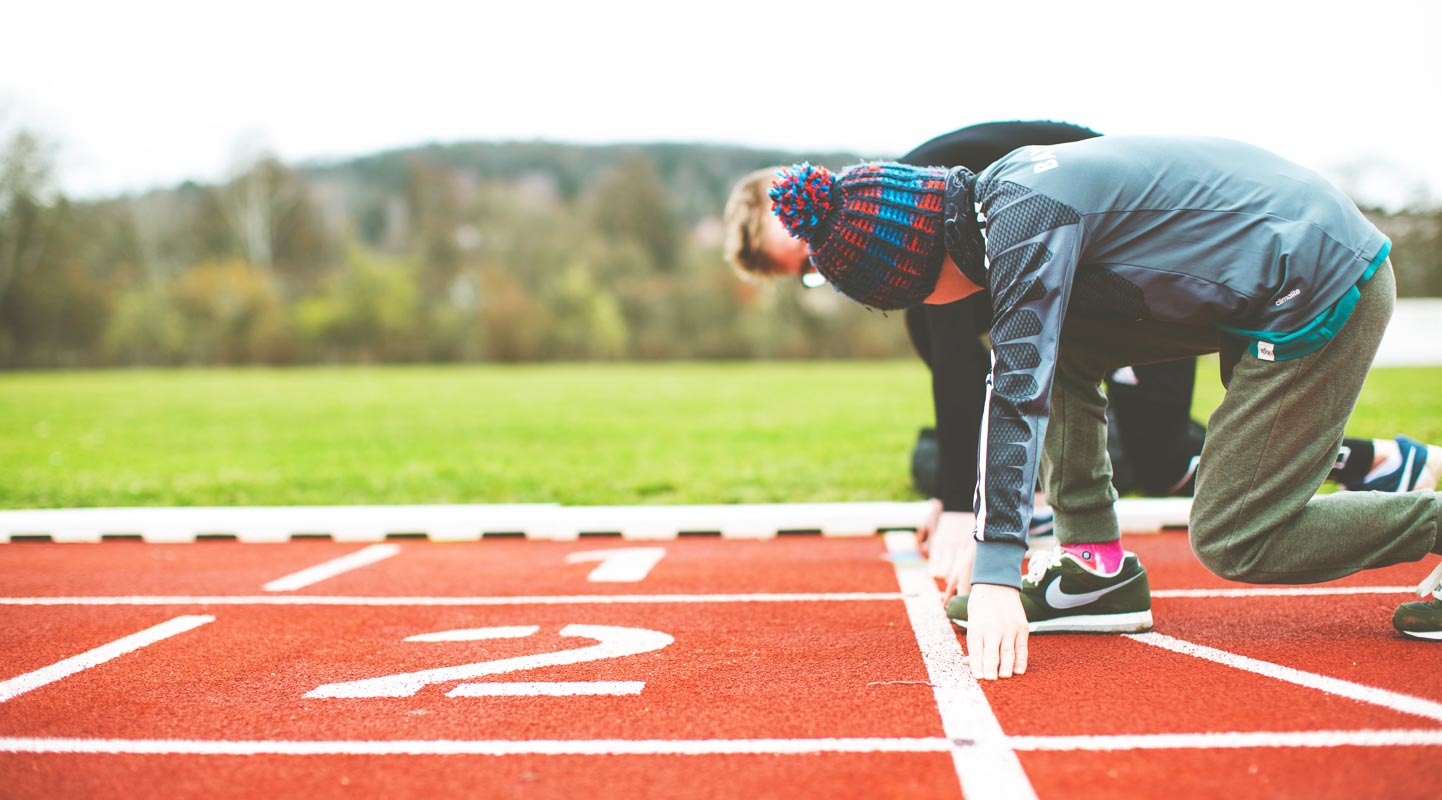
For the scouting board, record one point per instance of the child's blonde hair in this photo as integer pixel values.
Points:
(745, 222)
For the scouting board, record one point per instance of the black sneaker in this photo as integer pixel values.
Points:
(1061, 594)
(1423, 620)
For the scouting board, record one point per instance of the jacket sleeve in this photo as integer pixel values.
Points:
(1033, 244)
(959, 366)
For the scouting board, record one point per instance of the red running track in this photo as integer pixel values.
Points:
(788, 668)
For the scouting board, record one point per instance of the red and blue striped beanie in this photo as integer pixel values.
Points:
(874, 232)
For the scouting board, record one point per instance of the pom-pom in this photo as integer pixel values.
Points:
(801, 198)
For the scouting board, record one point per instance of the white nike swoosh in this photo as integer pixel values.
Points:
(1056, 598)
(1403, 484)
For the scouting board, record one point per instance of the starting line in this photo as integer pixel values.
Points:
(703, 747)
(620, 599)
(541, 521)
(494, 600)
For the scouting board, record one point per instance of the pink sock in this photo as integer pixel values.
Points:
(1103, 557)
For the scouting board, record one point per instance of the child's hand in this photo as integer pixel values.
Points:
(951, 543)
(928, 524)
(996, 632)
(955, 528)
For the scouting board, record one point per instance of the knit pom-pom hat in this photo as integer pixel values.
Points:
(874, 232)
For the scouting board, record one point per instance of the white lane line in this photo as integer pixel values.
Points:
(1289, 591)
(687, 747)
(1396, 701)
(587, 599)
(548, 689)
(21, 684)
(1234, 740)
(985, 763)
(601, 599)
(698, 747)
(532, 600)
(336, 566)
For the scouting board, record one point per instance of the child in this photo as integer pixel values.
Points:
(1149, 249)
(948, 339)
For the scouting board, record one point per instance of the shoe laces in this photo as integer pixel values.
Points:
(1432, 584)
(1041, 562)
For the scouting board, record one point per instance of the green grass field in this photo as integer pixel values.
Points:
(576, 434)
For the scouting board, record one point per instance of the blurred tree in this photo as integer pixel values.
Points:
(26, 205)
(631, 203)
(587, 322)
(102, 237)
(275, 223)
(177, 228)
(368, 312)
(434, 213)
(53, 306)
(1429, 246)
(454, 330)
(253, 200)
(1416, 251)
(54, 315)
(145, 328)
(515, 322)
(231, 311)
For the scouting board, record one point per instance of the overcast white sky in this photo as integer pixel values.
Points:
(139, 93)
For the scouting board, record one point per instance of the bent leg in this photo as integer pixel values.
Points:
(1151, 405)
(1273, 441)
(1076, 469)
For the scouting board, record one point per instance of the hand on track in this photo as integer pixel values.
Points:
(928, 524)
(996, 632)
(953, 550)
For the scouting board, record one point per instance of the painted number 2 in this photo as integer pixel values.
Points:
(612, 642)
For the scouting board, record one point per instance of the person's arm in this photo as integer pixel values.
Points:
(948, 339)
(959, 367)
(1032, 246)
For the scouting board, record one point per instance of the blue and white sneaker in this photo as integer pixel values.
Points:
(1420, 468)
(1041, 535)
(1043, 523)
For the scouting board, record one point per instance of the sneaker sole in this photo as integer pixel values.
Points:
(1134, 622)
(1431, 636)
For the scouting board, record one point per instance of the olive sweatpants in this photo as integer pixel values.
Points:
(1256, 516)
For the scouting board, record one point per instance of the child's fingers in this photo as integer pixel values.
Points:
(1006, 652)
(973, 652)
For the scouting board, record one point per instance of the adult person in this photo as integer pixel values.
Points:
(1118, 251)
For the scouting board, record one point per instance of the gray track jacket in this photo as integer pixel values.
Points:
(1188, 230)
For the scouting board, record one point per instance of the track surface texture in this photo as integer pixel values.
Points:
(802, 667)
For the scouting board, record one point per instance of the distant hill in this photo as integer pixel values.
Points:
(697, 176)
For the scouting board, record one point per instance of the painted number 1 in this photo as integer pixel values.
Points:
(622, 565)
(612, 642)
